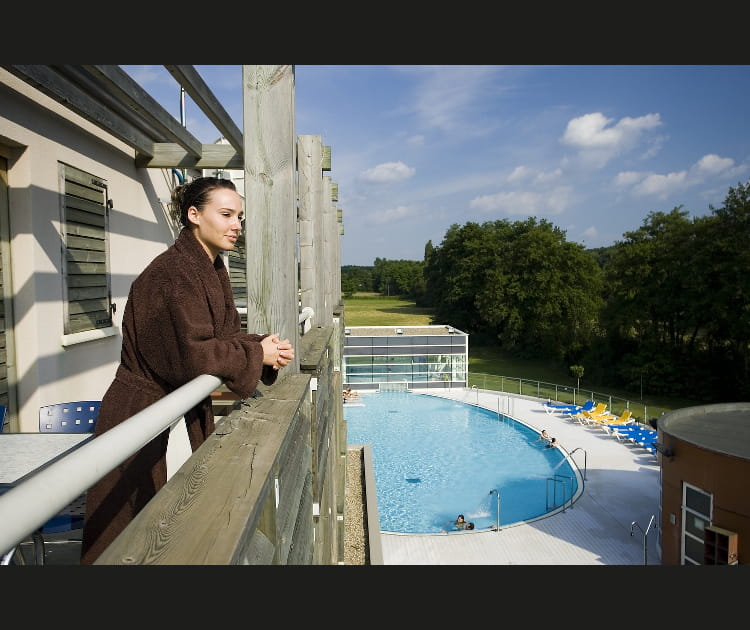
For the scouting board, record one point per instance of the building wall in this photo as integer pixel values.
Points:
(376, 355)
(36, 134)
(727, 478)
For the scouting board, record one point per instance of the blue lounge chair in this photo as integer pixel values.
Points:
(638, 434)
(646, 438)
(551, 407)
(574, 409)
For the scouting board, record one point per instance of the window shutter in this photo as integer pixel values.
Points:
(237, 269)
(86, 268)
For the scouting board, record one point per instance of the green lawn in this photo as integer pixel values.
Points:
(372, 309)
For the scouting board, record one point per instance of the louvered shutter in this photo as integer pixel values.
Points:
(85, 251)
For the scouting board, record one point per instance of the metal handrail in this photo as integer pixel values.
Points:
(554, 480)
(570, 480)
(585, 457)
(30, 504)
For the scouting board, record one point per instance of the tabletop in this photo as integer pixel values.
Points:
(25, 453)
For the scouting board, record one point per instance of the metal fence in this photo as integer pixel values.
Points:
(562, 394)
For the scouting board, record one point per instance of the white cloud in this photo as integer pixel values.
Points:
(708, 168)
(388, 172)
(520, 173)
(662, 186)
(629, 178)
(712, 164)
(416, 141)
(544, 179)
(590, 233)
(448, 97)
(597, 141)
(527, 203)
(539, 178)
(389, 216)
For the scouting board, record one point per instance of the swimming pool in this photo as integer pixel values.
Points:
(435, 458)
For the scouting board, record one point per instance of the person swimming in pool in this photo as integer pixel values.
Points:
(544, 436)
(460, 524)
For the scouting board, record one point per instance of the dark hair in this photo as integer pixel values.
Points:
(460, 516)
(195, 193)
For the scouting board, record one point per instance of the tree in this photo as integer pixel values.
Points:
(520, 283)
(398, 277)
(577, 371)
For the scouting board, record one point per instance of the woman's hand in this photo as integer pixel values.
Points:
(277, 353)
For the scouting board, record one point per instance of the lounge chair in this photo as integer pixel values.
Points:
(551, 408)
(638, 435)
(645, 438)
(612, 421)
(584, 416)
(624, 432)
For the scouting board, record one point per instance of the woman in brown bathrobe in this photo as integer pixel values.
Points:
(180, 321)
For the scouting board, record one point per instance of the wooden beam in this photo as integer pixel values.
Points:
(197, 89)
(170, 155)
(271, 202)
(106, 97)
(125, 90)
(57, 87)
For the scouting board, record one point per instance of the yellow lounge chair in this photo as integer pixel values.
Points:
(605, 423)
(585, 416)
(598, 419)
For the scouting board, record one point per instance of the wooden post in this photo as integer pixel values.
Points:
(326, 259)
(336, 240)
(271, 202)
(310, 178)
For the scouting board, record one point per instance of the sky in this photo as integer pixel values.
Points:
(591, 148)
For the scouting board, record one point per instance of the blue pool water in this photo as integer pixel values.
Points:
(435, 458)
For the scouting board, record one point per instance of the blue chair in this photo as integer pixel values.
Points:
(71, 417)
(571, 410)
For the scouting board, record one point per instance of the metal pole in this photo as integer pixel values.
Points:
(645, 536)
(498, 510)
(497, 492)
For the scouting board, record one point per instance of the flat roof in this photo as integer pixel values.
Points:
(722, 428)
(389, 331)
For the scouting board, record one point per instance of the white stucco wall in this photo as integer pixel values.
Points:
(36, 134)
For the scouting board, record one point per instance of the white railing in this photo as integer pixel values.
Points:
(305, 315)
(26, 507)
(305, 318)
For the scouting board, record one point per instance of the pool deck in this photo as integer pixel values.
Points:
(621, 485)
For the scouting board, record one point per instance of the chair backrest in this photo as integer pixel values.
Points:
(71, 417)
(596, 411)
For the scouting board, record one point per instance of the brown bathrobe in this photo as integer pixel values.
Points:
(180, 321)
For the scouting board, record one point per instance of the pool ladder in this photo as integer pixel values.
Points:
(554, 481)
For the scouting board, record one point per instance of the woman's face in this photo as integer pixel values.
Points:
(219, 224)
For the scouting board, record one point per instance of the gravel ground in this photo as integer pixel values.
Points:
(355, 517)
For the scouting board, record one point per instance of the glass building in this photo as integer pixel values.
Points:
(415, 356)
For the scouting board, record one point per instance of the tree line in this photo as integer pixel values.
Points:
(667, 306)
